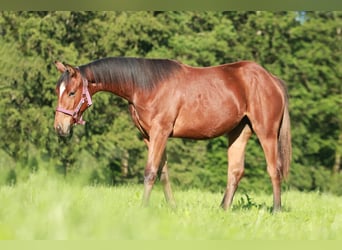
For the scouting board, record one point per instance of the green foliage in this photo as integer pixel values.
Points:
(306, 53)
(246, 203)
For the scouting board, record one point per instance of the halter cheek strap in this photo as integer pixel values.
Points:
(85, 98)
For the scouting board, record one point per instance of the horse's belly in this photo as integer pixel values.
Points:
(205, 125)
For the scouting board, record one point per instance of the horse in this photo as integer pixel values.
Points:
(167, 98)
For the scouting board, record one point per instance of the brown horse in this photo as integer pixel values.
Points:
(170, 99)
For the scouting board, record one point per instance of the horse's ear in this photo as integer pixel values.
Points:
(60, 66)
(70, 69)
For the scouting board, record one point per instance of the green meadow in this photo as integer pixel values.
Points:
(45, 207)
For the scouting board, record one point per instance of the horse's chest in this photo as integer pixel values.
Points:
(137, 120)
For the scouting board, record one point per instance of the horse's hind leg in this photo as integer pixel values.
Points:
(236, 156)
(270, 146)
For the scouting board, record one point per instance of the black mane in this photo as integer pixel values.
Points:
(140, 72)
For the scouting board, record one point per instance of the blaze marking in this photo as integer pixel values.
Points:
(61, 89)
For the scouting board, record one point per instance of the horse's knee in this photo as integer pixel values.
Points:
(150, 176)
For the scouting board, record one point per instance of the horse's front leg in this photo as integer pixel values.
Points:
(164, 178)
(156, 148)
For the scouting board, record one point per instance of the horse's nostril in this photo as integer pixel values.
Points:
(58, 129)
(62, 131)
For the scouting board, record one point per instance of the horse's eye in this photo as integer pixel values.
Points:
(72, 93)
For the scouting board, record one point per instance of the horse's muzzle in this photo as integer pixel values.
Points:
(62, 131)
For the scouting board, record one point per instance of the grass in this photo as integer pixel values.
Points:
(45, 207)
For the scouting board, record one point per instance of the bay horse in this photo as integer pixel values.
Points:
(169, 99)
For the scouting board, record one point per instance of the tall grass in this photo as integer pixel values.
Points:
(45, 207)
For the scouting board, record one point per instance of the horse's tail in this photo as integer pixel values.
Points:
(284, 139)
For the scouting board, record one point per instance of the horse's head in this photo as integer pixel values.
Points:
(73, 98)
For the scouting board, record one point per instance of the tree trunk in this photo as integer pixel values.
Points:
(124, 163)
(337, 165)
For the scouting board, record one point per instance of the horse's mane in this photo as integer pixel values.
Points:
(140, 72)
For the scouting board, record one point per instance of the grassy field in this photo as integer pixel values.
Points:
(47, 208)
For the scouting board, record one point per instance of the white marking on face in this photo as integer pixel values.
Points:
(61, 89)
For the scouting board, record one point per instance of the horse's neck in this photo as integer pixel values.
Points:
(123, 90)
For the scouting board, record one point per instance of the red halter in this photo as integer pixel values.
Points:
(85, 98)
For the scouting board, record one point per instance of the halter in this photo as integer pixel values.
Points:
(85, 98)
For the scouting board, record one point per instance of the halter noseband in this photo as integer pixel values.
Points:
(85, 98)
